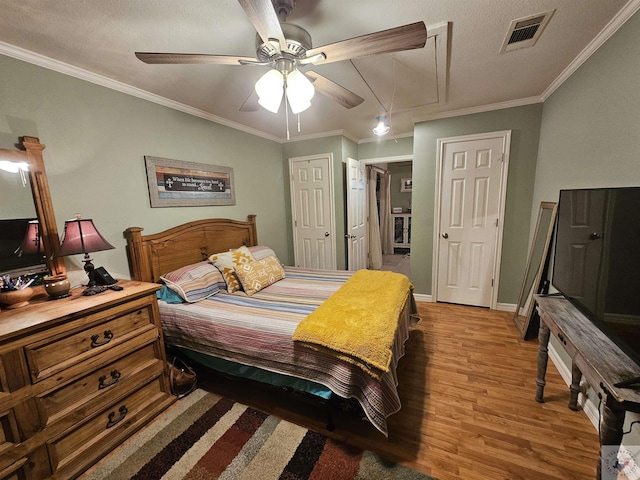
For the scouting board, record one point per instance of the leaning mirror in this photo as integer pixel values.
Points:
(30, 153)
(535, 266)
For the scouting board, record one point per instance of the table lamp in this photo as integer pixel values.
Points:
(81, 236)
(56, 286)
(32, 242)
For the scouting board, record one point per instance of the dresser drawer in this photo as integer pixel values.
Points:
(53, 355)
(90, 439)
(35, 465)
(13, 371)
(9, 435)
(90, 392)
(17, 426)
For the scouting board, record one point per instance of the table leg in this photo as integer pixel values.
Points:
(543, 357)
(576, 376)
(610, 433)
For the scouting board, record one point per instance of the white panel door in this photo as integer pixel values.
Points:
(470, 209)
(312, 207)
(357, 245)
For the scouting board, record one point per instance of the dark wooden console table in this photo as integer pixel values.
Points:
(593, 355)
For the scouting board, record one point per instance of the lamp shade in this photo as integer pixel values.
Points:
(81, 236)
(270, 88)
(32, 242)
(300, 91)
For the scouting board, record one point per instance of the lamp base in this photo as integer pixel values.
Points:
(93, 290)
(57, 286)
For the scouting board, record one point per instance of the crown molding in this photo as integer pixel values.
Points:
(612, 27)
(479, 109)
(315, 136)
(72, 71)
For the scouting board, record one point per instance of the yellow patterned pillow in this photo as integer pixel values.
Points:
(257, 275)
(228, 262)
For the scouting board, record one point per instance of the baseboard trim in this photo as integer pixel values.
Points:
(506, 307)
(422, 297)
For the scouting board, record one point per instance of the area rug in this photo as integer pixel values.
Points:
(205, 436)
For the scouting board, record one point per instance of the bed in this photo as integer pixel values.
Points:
(252, 335)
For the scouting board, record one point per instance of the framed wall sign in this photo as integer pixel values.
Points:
(174, 183)
(406, 184)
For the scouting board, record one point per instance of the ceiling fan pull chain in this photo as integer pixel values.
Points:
(286, 110)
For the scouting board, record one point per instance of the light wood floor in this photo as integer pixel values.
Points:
(467, 386)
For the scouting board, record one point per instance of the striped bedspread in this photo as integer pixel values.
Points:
(258, 331)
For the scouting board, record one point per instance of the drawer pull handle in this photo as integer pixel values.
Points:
(115, 376)
(114, 421)
(108, 335)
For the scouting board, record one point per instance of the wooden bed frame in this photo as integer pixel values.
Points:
(151, 256)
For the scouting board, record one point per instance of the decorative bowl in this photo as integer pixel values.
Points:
(57, 286)
(16, 298)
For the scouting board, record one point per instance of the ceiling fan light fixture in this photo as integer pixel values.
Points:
(382, 126)
(270, 89)
(299, 90)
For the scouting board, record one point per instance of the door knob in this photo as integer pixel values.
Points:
(594, 236)
(445, 235)
(326, 234)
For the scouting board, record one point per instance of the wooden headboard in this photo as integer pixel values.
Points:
(151, 256)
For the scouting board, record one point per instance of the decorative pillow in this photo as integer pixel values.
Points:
(227, 262)
(260, 252)
(257, 275)
(195, 282)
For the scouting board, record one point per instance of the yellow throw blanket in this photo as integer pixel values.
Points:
(359, 321)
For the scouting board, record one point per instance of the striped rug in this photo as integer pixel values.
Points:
(205, 436)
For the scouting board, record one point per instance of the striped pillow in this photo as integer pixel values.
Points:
(262, 251)
(195, 282)
(260, 274)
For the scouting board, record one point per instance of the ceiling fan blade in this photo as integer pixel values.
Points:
(396, 39)
(251, 103)
(265, 20)
(336, 92)
(182, 58)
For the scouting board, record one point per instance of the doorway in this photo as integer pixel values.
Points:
(389, 183)
(313, 211)
(471, 180)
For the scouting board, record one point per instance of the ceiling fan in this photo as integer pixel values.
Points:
(287, 49)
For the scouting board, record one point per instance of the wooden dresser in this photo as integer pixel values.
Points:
(77, 376)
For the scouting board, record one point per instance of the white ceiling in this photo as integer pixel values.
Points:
(460, 70)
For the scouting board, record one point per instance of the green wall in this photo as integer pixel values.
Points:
(524, 123)
(96, 140)
(383, 148)
(590, 125)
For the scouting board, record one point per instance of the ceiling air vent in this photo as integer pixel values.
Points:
(525, 32)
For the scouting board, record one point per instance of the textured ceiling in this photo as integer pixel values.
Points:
(459, 70)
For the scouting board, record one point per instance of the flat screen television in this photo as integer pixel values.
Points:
(597, 260)
(12, 232)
